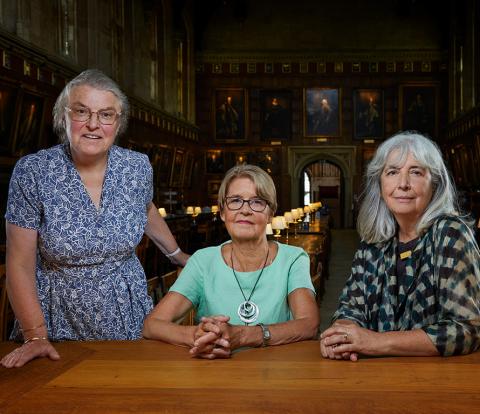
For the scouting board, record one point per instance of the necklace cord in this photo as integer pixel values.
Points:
(258, 278)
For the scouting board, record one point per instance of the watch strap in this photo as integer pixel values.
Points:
(265, 333)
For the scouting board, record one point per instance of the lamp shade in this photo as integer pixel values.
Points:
(306, 209)
(295, 214)
(269, 229)
(162, 212)
(189, 210)
(198, 210)
(278, 223)
(215, 209)
(288, 217)
(300, 212)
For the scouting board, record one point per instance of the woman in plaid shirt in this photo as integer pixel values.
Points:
(414, 289)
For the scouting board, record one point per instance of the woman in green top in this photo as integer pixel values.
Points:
(247, 292)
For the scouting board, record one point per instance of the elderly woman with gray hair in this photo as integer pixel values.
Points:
(75, 214)
(414, 289)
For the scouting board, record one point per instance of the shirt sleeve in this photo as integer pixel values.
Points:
(299, 273)
(457, 330)
(352, 299)
(23, 206)
(190, 281)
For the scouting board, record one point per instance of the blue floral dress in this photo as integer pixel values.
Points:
(90, 282)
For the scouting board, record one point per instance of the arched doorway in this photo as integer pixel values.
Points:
(323, 180)
(343, 156)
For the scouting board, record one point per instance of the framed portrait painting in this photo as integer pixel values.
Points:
(8, 104)
(30, 123)
(418, 108)
(214, 162)
(187, 175)
(162, 164)
(322, 112)
(229, 114)
(267, 160)
(276, 115)
(176, 177)
(368, 113)
(212, 188)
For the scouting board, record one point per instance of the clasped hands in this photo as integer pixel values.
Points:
(212, 338)
(346, 340)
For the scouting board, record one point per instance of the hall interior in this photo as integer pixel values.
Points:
(306, 90)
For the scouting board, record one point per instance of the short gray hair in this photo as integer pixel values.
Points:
(263, 182)
(95, 79)
(375, 222)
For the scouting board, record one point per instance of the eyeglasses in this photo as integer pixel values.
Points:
(236, 203)
(83, 114)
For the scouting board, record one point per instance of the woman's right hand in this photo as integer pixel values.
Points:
(35, 349)
(210, 340)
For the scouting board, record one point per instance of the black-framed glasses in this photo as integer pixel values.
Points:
(83, 114)
(236, 203)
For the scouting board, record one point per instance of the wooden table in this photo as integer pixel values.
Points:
(152, 377)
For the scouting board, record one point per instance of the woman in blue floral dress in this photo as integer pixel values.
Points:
(75, 214)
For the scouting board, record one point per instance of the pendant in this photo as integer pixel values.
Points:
(248, 312)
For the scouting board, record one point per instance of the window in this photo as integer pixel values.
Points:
(306, 189)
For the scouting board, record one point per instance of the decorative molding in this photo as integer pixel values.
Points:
(344, 66)
(281, 56)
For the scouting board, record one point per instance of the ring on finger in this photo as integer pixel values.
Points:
(345, 337)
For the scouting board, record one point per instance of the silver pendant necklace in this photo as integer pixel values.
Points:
(248, 310)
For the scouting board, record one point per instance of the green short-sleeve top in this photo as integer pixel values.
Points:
(209, 283)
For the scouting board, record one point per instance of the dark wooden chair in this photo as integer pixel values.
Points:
(166, 281)
(141, 250)
(153, 289)
(6, 314)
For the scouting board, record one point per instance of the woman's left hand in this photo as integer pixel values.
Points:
(346, 340)
(211, 338)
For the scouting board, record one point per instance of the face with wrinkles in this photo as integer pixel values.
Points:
(91, 138)
(406, 189)
(245, 224)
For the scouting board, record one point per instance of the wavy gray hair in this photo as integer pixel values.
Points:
(376, 223)
(95, 79)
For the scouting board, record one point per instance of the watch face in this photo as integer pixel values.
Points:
(266, 333)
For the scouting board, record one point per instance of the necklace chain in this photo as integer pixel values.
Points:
(258, 278)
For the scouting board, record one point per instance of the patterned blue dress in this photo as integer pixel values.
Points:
(91, 285)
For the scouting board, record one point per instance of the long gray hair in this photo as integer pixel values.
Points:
(376, 223)
(95, 79)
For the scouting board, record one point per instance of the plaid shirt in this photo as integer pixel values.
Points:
(440, 293)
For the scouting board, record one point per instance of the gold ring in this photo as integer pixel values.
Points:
(345, 337)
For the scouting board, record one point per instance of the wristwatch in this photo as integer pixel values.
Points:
(266, 334)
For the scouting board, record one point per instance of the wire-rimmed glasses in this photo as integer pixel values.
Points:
(83, 114)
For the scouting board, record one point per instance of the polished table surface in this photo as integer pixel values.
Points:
(152, 377)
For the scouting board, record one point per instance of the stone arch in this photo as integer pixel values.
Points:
(343, 156)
